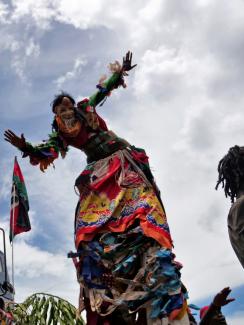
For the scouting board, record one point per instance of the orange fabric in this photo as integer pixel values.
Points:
(182, 311)
(148, 230)
(68, 132)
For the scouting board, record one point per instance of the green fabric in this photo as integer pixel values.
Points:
(19, 219)
(109, 84)
(102, 145)
(20, 186)
(39, 150)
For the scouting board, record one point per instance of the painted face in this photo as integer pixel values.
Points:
(65, 111)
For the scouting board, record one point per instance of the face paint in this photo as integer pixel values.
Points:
(66, 113)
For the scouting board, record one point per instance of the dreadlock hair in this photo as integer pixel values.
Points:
(58, 99)
(231, 172)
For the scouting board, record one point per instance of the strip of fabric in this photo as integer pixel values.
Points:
(123, 241)
(45, 153)
(133, 270)
(115, 193)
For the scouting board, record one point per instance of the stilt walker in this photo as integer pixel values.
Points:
(125, 264)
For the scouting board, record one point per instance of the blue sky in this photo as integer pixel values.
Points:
(183, 104)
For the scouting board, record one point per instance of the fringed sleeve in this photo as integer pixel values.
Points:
(45, 153)
(105, 87)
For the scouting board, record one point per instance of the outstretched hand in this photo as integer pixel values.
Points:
(221, 298)
(16, 141)
(127, 60)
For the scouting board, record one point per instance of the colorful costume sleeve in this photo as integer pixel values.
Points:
(106, 87)
(45, 153)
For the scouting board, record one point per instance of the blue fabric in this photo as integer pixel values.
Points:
(103, 90)
(91, 264)
(131, 246)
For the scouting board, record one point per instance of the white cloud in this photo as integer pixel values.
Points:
(80, 15)
(4, 11)
(6, 185)
(8, 42)
(32, 49)
(184, 104)
(18, 66)
(162, 70)
(38, 270)
(74, 73)
(236, 319)
(37, 263)
(41, 11)
(23, 53)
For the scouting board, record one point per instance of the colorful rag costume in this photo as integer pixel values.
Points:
(126, 265)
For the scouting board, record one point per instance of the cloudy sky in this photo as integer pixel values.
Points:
(183, 104)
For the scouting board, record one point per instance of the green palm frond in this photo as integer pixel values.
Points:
(45, 309)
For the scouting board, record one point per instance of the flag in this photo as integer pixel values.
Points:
(19, 219)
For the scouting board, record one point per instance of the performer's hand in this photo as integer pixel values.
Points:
(221, 298)
(127, 62)
(16, 141)
(218, 320)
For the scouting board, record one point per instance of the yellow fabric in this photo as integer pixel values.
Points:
(182, 312)
(98, 213)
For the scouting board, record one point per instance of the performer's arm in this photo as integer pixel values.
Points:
(105, 88)
(116, 80)
(214, 311)
(43, 154)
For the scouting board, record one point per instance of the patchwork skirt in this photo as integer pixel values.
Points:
(124, 248)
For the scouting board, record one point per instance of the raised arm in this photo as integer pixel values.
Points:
(116, 80)
(213, 314)
(43, 154)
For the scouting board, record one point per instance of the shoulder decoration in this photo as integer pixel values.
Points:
(89, 113)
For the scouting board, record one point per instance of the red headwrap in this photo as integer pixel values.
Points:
(203, 311)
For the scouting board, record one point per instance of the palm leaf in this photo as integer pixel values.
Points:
(45, 309)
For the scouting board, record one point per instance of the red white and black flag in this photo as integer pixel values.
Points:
(19, 219)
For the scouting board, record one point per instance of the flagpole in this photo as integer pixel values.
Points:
(13, 266)
(14, 195)
(13, 246)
